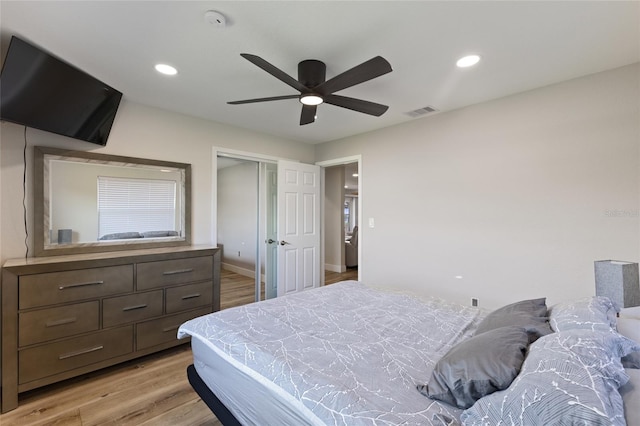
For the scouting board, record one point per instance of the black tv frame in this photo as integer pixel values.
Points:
(42, 91)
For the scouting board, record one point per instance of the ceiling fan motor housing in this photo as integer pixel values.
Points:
(312, 72)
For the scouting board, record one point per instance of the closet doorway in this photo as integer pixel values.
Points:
(246, 216)
(268, 224)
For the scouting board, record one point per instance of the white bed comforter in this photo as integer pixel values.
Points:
(347, 353)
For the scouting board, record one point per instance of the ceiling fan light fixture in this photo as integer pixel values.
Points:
(311, 99)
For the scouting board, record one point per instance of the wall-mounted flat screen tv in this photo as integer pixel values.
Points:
(41, 91)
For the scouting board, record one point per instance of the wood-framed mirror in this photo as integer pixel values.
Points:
(86, 202)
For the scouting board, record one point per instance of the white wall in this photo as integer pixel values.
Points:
(519, 196)
(138, 131)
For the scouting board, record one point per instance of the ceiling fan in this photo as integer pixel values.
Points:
(315, 89)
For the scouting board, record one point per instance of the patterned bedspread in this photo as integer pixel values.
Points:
(351, 354)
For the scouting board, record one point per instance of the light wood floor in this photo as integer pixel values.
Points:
(237, 290)
(152, 390)
(334, 277)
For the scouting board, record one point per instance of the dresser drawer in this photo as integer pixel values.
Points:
(163, 330)
(53, 358)
(189, 296)
(55, 323)
(169, 272)
(130, 308)
(69, 286)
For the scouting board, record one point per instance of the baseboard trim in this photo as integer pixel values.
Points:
(240, 271)
(335, 268)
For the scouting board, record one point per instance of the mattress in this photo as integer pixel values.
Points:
(358, 364)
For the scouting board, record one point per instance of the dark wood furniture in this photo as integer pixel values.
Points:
(64, 316)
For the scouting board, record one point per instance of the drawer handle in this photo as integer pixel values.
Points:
(80, 352)
(178, 271)
(132, 308)
(64, 287)
(60, 322)
(191, 296)
(170, 328)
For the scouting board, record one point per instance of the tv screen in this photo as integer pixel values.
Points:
(40, 91)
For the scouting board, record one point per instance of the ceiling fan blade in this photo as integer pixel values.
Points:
(366, 71)
(272, 98)
(359, 105)
(308, 115)
(277, 73)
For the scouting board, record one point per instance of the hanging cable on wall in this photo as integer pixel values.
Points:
(24, 194)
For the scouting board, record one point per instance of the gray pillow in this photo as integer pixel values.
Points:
(530, 314)
(630, 328)
(157, 234)
(477, 367)
(121, 236)
(572, 376)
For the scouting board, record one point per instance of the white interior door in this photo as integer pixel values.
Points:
(298, 227)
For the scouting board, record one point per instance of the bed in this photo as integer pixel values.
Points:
(350, 354)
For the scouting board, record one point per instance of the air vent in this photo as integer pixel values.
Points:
(421, 111)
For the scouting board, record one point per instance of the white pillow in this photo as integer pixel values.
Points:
(629, 327)
(630, 312)
(589, 313)
(631, 397)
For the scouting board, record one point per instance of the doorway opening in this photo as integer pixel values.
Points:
(342, 218)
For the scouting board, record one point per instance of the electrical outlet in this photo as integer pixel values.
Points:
(474, 301)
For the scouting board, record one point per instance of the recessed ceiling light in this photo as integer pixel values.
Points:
(166, 69)
(468, 61)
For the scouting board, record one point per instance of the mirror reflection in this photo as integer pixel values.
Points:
(106, 202)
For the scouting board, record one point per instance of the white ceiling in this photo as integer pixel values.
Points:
(524, 45)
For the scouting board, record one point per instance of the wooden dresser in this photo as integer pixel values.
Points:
(64, 316)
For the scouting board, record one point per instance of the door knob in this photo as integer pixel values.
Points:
(283, 242)
(271, 241)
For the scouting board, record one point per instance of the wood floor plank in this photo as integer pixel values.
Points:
(334, 277)
(188, 414)
(147, 396)
(151, 390)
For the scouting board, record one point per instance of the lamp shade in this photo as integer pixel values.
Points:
(618, 281)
